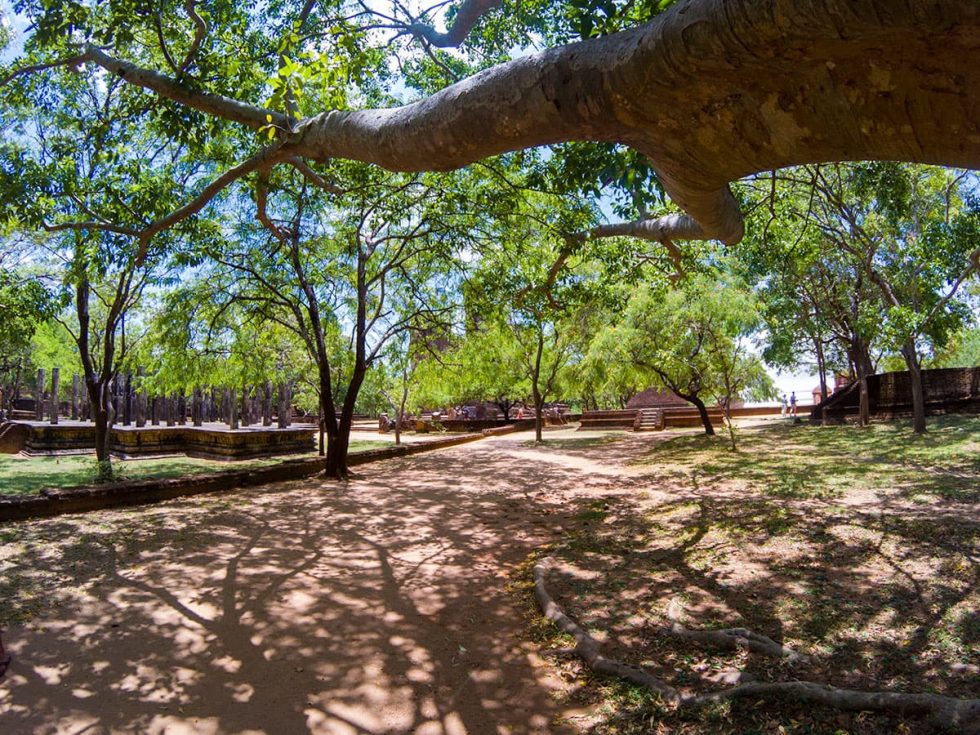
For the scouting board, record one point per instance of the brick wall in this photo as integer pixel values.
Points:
(890, 394)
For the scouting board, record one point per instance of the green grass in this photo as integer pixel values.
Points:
(20, 475)
(839, 541)
(567, 443)
(798, 461)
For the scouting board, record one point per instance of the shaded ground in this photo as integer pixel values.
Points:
(859, 548)
(380, 607)
(397, 604)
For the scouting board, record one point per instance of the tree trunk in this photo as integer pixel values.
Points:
(538, 417)
(322, 423)
(400, 413)
(918, 395)
(862, 365)
(98, 394)
(703, 411)
(535, 391)
(336, 463)
(821, 367)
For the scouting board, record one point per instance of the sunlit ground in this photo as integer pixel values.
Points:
(398, 602)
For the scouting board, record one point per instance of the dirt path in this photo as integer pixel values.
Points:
(379, 608)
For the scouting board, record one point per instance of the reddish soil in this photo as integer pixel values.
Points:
(377, 607)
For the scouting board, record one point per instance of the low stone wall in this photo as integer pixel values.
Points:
(139, 492)
(200, 442)
(947, 390)
(13, 437)
(194, 441)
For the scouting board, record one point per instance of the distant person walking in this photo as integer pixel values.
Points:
(792, 403)
(782, 411)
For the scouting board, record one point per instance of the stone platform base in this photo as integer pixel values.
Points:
(212, 441)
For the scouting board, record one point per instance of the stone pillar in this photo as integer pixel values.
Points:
(171, 403)
(213, 406)
(233, 409)
(55, 386)
(244, 406)
(74, 397)
(225, 407)
(119, 387)
(140, 407)
(196, 407)
(39, 396)
(182, 409)
(128, 408)
(154, 411)
(267, 404)
(284, 406)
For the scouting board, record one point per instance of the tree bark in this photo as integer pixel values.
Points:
(821, 367)
(862, 364)
(914, 365)
(703, 412)
(535, 390)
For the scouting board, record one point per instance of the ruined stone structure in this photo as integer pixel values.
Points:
(947, 390)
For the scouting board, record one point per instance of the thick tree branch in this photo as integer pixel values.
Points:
(262, 159)
(470, 11)
(664, 230)
(213, 104)
(710, 91)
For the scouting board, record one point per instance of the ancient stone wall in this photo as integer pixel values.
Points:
(890, 394)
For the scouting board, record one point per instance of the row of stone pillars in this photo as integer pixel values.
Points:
(128, 406)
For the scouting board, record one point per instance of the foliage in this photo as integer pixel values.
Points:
(694, 340)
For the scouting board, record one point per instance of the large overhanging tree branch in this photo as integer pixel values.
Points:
(710, 90)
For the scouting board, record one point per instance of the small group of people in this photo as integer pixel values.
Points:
(791, 409)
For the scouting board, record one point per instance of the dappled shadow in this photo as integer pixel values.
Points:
(379, 606)
(881, 592)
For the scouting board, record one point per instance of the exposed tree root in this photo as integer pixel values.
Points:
(731, 638)
(959, 715)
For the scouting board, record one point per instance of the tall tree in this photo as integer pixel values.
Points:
(92, 201)
(346, 270)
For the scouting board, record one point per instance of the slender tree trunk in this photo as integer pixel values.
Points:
(862, 364)
(731, 427)
(821, 367)
(535, 391)
(339, 443)
(400, 413)
(98, 395)
(703, 411)
(915, 378)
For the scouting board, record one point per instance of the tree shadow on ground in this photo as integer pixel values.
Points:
(882, 596)
(379, 606)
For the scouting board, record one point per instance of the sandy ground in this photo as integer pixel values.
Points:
(376, 607)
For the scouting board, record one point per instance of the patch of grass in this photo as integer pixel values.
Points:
(576, 442)
(20, 475)
(801, 461)
(837, 541)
